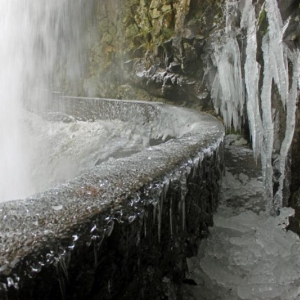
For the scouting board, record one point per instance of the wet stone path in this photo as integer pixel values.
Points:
(248, 254)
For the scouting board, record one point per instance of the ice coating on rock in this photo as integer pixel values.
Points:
(276, 56)
(248, 254)
(252, 69)
(42, 230)
(228, 86)
(251, 256)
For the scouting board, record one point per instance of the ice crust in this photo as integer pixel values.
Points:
(253, 256)
(227, 89)
(249, 254)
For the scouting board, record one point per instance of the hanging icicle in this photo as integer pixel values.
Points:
(228, 88)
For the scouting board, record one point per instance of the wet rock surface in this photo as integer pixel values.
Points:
(248, 254)
(124, 228)
(156, 49)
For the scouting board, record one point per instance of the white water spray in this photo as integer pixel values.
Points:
(14, 61)
(41, 42)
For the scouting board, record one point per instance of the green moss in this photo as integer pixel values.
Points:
(262, 17)
(167, 33)
(263, 24)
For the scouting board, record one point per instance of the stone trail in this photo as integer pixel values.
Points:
(248, 254)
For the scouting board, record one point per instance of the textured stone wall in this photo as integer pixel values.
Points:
(143, 253)
(153, 50)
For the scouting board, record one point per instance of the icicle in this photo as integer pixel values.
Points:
(145, 224)
(276, 67)
(278, 62)
(252, 71)
(154, 204)
(228, 93)
(159, 217)
(161, 200)
(228, 84)
(268, 126)
(171, 218)
(183, 188)
(183, 213)
(290, 124)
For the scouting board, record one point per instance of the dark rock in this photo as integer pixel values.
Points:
(287, 7)
(174, 67)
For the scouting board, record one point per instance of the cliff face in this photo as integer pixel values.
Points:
(154, 49)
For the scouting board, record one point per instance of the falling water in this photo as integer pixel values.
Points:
(42, 45)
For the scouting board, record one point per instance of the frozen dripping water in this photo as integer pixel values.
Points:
(228, 94)
(228, 84)
(252, 69)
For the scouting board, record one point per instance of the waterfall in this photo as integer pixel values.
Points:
(259, 85)
(42, 45)
(15, 66)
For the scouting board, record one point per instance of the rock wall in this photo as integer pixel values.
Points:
(153, 50)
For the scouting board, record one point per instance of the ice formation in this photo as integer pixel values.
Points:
(228, 83)
(227, 89)
(248, 254)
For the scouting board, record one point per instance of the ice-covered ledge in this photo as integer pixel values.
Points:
(88, 235)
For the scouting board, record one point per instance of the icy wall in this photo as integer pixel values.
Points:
(254, 66)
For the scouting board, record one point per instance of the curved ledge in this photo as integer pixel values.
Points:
(45, 229)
